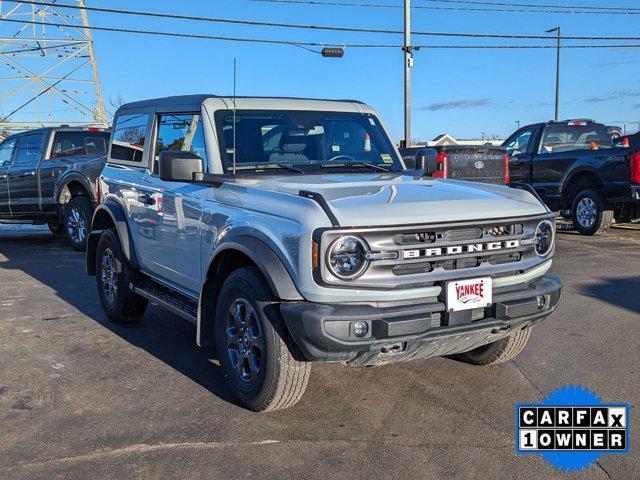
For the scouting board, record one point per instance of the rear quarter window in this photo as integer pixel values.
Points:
(129, 135)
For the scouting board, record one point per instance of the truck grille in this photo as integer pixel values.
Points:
(424, 255)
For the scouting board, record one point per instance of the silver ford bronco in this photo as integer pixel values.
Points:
(289, 231)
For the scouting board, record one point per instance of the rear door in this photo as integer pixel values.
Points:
(519, 147)
(24, 196)
(66, 148)
(561, 146)
(7, 149)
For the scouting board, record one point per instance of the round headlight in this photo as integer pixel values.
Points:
(545, 232)
(346, 257)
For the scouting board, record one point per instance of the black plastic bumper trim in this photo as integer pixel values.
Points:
(307, 322)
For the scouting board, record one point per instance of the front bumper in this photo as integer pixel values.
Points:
(324, 332)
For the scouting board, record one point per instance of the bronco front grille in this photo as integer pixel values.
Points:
(421, 255)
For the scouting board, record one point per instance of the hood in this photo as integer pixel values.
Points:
(395, 199)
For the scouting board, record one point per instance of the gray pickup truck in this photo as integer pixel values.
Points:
(48, 176)
(289, 231)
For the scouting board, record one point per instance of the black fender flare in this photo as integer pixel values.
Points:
(576, 171)
(75, 177)
(119, 218)
(267, 261)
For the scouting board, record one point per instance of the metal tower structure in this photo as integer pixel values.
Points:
(48, 74)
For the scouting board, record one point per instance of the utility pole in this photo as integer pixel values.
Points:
(557, 29)
(518, 124)
(408, 63)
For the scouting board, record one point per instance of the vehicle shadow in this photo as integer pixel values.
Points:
(49, 260)
(616, 291)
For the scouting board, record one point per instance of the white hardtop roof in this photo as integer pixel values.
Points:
(248, 103)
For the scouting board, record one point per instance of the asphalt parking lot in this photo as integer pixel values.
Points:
(83, 398)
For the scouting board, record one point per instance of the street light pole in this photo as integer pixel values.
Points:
(408, 63)
(557, 29)
(518, 124)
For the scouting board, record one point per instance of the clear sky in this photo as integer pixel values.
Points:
(462, 92)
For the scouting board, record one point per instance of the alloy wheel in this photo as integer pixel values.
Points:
(586, 212)
(108, 274)
(77, 225)
(245, 340)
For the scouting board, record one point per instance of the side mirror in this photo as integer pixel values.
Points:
(179, 166)
(427, 160)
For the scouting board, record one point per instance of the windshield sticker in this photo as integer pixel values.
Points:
(386, 158)
(372, 121)
(229, 119)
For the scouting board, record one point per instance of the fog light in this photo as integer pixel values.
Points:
(542, 302)
(360, 329)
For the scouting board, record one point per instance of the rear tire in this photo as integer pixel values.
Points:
(592, 214)
(56, 227)
(77, 221)
(113, 278)
(497, 352)
(263, 367)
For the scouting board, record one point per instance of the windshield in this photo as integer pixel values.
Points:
(307, 141)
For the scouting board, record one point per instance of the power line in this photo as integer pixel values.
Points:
(306, 44)
(534, 5)
(467, 9)
(320, 27)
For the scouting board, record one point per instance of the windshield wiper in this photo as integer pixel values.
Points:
(270, 166)
(373, 166)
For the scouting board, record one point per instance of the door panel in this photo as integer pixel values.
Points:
(7, 149)
(24, 196)
(168, 225)
(170, 212)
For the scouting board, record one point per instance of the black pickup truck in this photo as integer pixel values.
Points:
(574, 166)
(476, 163)
(48, 176)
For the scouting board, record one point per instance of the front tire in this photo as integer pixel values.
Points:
(263, 367)
(592, 214)
(113, 278)
(497, 352)
(77, 220)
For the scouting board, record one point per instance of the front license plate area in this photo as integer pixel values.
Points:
(469, 294)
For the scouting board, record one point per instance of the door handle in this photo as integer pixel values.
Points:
(146, 199)
(26, 174)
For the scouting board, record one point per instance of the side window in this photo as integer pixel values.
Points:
(180, 132)
(6, 152)
(129, 135)
(68, 144)
(29, 149)
(519, 144)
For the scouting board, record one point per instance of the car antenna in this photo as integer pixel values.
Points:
(234, 115)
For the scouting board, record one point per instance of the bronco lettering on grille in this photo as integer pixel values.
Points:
(460, 249)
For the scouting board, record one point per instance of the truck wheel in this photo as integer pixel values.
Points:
(113, 277)
(56, 227)
(592, 215)
(77, 219)
(263, 367)
(501, 351)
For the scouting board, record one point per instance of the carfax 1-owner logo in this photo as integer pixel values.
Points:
(572, 428)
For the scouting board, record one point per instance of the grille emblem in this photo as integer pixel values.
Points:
(479, 164)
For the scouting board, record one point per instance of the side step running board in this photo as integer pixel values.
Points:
(178, 304)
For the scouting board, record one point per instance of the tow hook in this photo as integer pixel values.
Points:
(504, 328)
